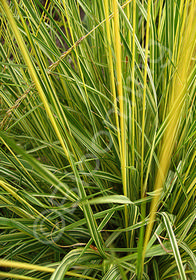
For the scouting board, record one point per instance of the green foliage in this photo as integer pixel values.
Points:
(97, 139)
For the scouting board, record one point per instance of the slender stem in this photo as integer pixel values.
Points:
(111, 69)
(144, 96)
(121, 101)
(143, 206)
(133, 83)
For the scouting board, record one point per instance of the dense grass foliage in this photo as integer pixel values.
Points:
(97, 139)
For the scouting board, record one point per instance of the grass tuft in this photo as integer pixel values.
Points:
(97, 139)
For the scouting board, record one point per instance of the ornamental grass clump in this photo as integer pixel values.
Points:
(97, 139)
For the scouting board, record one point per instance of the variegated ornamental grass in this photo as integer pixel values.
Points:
(97, 139)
